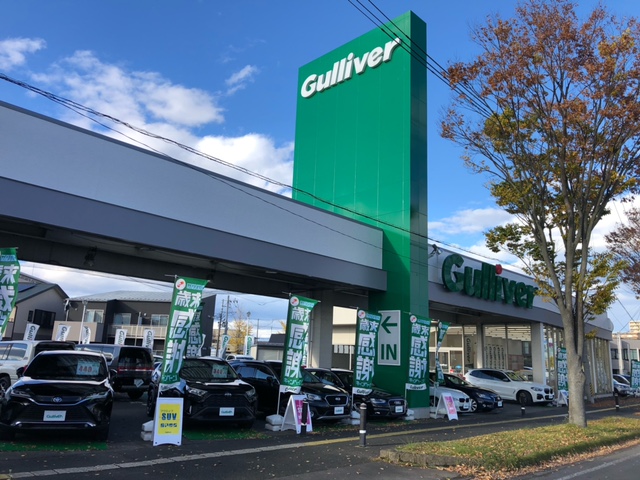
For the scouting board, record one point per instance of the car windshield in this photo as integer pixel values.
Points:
(207, 370)
(455, 380)
(67, 367)
(513, 376)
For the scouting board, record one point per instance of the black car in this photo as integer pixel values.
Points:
(212, 392)
(481, 398)
(132, 365)
(60, 390)
(326, 402)
(380, 403)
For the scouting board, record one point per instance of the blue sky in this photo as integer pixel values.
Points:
(221, 76)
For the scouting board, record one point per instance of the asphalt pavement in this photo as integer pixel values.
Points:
(327, 452)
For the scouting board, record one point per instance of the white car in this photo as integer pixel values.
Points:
(463, 402)
(510, 385)
(19, 353)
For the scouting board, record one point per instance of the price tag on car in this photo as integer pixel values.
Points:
(499, 403)
(338, 411)
(227, 411)
(138, 382)
(399, 409)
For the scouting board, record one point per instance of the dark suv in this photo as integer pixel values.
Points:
(212, 392)
(327, 402)
(133, 366)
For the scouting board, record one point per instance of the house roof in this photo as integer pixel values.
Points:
(132, 296)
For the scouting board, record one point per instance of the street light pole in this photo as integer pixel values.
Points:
(84, 310)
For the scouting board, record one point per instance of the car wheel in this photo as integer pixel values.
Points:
(135, 395)
(524, 398)
(473, 406)
(151, 404)
(5, 382)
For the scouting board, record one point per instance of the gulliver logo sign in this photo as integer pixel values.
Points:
(485, 283)
(344, 69)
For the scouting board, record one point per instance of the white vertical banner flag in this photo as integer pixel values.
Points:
(121, 335)
(62, 333)
(31, 331)
(85, 337)
(147, 338)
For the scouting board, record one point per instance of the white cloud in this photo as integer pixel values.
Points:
(135, 97)
(239, 80)
(469, 222)
(13, 51)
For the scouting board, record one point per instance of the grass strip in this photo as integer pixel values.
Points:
(517, 449)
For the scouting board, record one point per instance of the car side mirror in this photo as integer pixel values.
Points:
(505, 380)
(113, 373)
(271, 380)
(20, 372)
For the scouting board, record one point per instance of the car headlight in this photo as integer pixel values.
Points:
(251, 394)
(18, 393)
(537, 389)
(378, 401)
(196, 391)
(312, 397)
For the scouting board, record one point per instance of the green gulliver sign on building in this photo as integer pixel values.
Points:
(361, 146)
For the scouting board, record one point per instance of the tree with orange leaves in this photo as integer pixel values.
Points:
(550, 112)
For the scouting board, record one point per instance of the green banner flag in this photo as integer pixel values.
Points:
(563, 369)
(9, 279)
(295, 342)
(366, 341)
(635, 375)
(442, 331)
(195, 339)
(187, 295)
(248, 344)
(419, 353)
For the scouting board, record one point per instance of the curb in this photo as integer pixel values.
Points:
(425, 460)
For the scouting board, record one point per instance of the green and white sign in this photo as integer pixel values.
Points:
(295, 345)
(361, 152)
(248, 344)
(9, 279)
(366, 346)
(442, 327)
(419, 353)
(187, 295)
(635, 375)
(563, 370)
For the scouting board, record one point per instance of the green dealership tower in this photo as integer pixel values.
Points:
(361, 152)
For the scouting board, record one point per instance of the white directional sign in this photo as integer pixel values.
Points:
(389, 338)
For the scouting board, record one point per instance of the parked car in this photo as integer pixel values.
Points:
(133, 366)
(212, 392)
(621, 388)
(380, 402)
(326, 402)
(60, 390)
(461, 399)
(18, 353)
(510, 386)
(481, 398)
(622, 379)
(236, 356)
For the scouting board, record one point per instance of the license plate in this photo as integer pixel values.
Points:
(138, 382)
(399, 409)
(54, 415)
(227, 411)
(338, 410)
(499, 404)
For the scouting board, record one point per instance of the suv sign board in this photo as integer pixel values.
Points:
(389, 338)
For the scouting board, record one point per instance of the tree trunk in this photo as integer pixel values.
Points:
(577, 378)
